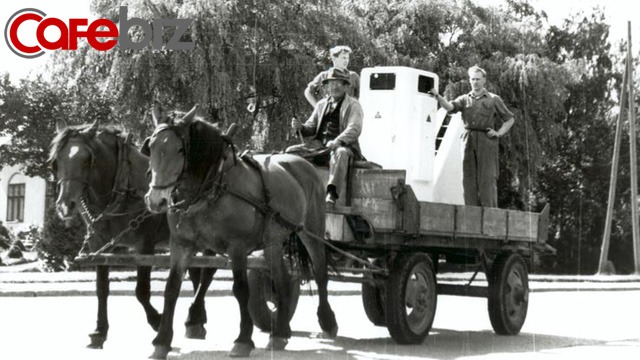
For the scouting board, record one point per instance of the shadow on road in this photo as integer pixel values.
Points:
(440, 344)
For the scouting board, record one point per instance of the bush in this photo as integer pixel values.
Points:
(5, 237)
(15, 251)
(61, 241)
(5, 243)
(29, 238)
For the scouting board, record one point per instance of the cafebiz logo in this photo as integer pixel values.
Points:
(101, 34)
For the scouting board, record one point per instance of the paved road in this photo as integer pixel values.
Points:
(560, 325)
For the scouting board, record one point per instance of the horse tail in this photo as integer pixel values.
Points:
(300, 259)
(298, 256)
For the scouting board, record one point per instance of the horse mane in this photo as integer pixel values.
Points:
(205, 148)
(62, 138)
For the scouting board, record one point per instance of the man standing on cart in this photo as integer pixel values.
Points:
(334, 128)
(481, 112)
(340, 58)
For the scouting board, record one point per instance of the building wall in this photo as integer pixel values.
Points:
(34, 207)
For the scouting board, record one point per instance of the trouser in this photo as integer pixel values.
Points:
(480, 169)
(338, 159)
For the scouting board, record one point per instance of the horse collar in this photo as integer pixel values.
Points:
(215, 177)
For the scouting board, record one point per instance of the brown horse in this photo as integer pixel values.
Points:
(104, 178)
(234, 206)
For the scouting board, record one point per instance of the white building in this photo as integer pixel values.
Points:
(23, 199)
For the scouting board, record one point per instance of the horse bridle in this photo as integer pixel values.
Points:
(185, 147)
(215, 170)
(116, 190)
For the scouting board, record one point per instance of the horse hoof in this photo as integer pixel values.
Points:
(160, 352)
(97, 340)
(277, 343)
(241, 350)
(330, 334)
(196, 332)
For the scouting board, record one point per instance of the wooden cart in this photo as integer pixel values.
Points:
(393, 244)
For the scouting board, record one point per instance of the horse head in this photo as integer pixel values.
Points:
(167, 149)
(84, 173)
(182, 151)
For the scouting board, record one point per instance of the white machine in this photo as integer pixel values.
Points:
(403, 129)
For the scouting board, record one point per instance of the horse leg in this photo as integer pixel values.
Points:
(197, 317)
(326, 317)
(179, 259)
(99, 335)
(143, 294)
(243, 344)
(282, 284)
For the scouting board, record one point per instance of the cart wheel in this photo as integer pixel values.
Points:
(263, 300)
(508, 294)
(411, 298)
(374, 303)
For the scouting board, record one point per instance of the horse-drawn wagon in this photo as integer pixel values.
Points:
(399, 223)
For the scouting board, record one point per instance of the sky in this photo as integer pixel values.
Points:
(617, 12)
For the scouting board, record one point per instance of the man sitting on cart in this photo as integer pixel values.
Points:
(334, 125)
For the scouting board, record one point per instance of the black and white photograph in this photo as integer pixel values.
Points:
(323, 179)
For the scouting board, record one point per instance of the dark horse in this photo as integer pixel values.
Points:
(217, 201)
(104, 178)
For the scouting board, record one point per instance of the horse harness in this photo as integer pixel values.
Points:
(219, 187)
(216, 177)
(121, 189)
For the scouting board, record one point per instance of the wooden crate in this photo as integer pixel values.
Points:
(380, 212)
(375, 183)
(337, 227)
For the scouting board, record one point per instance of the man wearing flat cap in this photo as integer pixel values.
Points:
(334, 128)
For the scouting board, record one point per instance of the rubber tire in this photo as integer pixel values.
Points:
(374, 303)
(508, 298)
(400, 308)
(261, 292)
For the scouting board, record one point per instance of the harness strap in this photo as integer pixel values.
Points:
(121, 187)
(260, 205)
(265, 208)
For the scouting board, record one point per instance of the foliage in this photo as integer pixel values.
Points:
(559, 81)
(28, 113)
(61, 241)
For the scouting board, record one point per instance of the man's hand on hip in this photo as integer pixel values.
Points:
(493, 134)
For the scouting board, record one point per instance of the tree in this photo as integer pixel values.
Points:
(557, 80)
(28, 114)
(575, 181)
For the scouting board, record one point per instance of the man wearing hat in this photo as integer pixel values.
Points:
(340, 59)
(334, 128)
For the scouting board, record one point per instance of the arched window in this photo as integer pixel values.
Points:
(15, 198)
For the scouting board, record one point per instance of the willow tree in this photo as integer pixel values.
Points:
(246, 52)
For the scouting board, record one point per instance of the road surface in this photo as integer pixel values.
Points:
(560, 325)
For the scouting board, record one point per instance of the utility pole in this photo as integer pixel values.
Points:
(626, 101)
(634, 159)
(604, 251)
